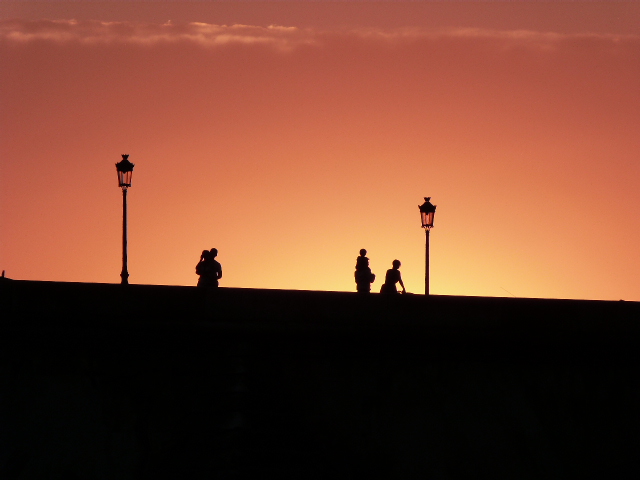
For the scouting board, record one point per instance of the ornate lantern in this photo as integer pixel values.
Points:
(427, 212)
(125, 171)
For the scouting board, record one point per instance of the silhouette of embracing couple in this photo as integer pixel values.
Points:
(209, 269)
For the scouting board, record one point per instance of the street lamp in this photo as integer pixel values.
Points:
(427, 212)
(125, 171)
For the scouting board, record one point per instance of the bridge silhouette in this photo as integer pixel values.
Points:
(145, 381)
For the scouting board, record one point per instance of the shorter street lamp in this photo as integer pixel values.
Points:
(125, 171)
(427, 212)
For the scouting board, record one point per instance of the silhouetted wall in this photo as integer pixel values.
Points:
(148, 382)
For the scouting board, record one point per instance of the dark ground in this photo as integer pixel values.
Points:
(152, 382)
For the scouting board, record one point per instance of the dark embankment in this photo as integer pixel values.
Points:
(152, 382)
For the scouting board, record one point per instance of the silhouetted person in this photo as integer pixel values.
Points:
(209, 269)
(363, 275)
(393, 276)
(202, 268)
(216, 268)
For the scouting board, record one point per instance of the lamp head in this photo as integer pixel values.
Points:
(427, 212)
(125, 171)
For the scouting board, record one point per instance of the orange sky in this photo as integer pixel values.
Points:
(290, 135)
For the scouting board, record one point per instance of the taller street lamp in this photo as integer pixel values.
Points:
(427, 212)
(125, 171)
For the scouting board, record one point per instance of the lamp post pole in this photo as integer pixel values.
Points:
(125, 171)
(426, 261)
(124, 274)
(427, 212)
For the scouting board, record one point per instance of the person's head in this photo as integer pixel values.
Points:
(363, 252)
(205, 254)
(396, 264)
(214, 252)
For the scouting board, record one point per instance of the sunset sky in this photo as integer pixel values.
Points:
(289, 135)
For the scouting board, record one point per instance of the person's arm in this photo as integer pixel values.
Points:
(400, 280)
(219, 272)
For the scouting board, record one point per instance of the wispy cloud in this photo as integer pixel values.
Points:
(204, 34)
(285, 38)
(507, 38)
